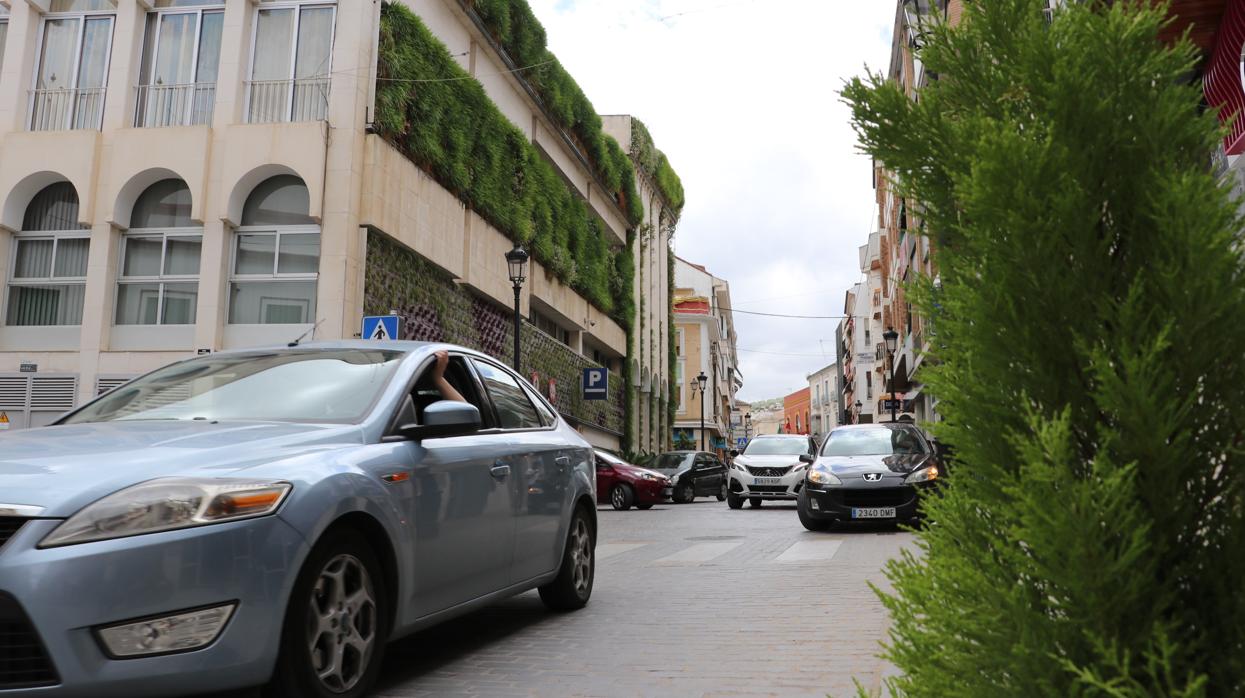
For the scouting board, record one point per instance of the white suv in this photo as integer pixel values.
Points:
(770, 467)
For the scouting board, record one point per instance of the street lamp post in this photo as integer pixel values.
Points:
(747, 426)
(891, 337)
(699, 384)
(859, 405)
(516, 259)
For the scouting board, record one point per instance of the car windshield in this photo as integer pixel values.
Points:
(672, 461)
(311, 385)
(873, 442)
(776, 447)
(608, 458)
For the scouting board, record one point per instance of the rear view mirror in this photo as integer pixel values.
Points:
(734, 453)
(805, 458)
(445, 418)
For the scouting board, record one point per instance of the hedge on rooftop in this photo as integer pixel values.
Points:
(515, 28)
(453, 131)
(653, 162)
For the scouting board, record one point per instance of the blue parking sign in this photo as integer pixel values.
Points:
(596, 384)
(381, 327)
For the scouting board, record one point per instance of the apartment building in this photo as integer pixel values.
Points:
(823, 385)
(797, 412)
(188, 176)
(705, 343)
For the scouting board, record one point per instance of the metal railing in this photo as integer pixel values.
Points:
(190, 104)
(303, 99)
(64, 109)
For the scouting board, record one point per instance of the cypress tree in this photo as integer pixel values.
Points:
(1088, 354)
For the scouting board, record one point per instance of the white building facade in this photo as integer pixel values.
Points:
(188, 176)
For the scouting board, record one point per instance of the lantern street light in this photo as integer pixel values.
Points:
(699, 385)
(890, 337)
(747, 426)
(516, 259)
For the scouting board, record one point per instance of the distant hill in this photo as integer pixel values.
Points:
(774, 403)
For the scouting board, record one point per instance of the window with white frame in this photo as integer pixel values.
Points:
(291, 59)
(678, 384)
(4, 32)
(74, 48)
(159, 278)
(276, 256)
(181, 60)
(47, 279)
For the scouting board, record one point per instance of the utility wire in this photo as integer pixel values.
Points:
(782, 353)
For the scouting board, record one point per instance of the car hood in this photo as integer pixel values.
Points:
(859, 465)
(63, 468)
(767, 461)
(637, 471)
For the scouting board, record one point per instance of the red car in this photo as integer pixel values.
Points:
(623, 484)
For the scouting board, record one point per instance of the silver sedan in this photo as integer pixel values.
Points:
(275, 516)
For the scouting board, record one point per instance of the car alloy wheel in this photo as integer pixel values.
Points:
(621, 497)
(581, 556)
(341, 623)
(686, 493)
(722, 493)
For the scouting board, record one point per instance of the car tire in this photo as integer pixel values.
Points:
(572, 588)
(808, 520)
(685, 493)
(621, 497)
(341, 570)
(734, 501)
(644, 507)
(722, 493)
(754, 502)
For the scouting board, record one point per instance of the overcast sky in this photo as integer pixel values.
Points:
(742, 95)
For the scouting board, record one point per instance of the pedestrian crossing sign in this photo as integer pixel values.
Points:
(382, 327)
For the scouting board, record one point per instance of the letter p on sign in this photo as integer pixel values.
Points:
(596, 384)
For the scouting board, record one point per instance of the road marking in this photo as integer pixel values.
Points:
(702, 552)
(605, 550)
(810, 551)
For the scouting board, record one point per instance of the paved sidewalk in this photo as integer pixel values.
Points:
(690, 600)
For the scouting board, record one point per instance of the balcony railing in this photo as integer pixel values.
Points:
(190, 104)
(64, 109)
(303, 99)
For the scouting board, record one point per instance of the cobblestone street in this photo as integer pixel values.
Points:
(689, 600)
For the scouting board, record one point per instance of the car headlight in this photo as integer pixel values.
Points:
(922, 475)
(167, 504)
(740, 467)
(820, 475)
(650, 476)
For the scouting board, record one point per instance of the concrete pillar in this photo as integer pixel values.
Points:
(213, 308)
(127, 53)
(18, 69)
(97, 309)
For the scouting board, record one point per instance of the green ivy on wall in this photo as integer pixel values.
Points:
(435, 309)
(673, 404)
(515, 28)
(653, 162)
(452, 130)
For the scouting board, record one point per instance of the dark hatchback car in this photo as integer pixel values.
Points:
(693, 474)
(623, 484)
(868, 472)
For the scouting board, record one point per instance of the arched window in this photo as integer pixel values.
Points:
(276, 256)
(159, 276)
(47, 285)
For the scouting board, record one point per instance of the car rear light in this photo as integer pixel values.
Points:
(178, 632)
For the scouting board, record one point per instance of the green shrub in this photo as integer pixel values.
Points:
(452, 130)
(1090, 361)
(653, 162)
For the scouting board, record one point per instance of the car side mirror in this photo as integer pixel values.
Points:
(445, 418)
(805, 458)
(734, 453)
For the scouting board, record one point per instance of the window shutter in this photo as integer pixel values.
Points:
(13, 392)
(103, 385)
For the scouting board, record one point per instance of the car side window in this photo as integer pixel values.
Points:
(457, 374)
(546, 414)
(514, 409)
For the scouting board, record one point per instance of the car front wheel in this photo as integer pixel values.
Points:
(685, 494)
(572, 588)
(722, 493)
(621, 497)
(808, 520)
(336, 623)
(734, 501)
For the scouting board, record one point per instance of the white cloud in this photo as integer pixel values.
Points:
(743, 97)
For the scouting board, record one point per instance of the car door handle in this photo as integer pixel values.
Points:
(500, 471)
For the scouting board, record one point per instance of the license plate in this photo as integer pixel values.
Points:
(874, 513)
(767, 481)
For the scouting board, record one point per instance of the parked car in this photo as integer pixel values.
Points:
(868, 472)
(278, 515)
(693, 474)
(623, 484)
(770, 467)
